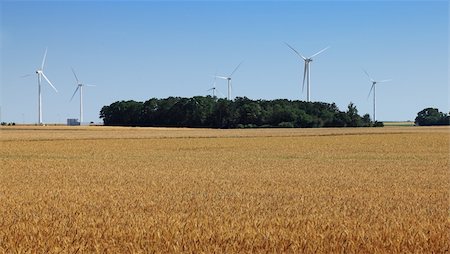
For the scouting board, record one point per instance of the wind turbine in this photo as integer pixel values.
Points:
(40, 75)
(228, 78)
(213, 88)
(372, 88)
(307, 71)
(79, 87)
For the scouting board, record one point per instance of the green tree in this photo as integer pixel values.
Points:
(126, 113)
(366, 122)
(431, 116)
(207, 111)
(354, 120)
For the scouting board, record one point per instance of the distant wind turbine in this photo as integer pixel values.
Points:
(372, 88)
(228, 78)
(79, 87)
(307, 71)
(213, 88)
(40, 75)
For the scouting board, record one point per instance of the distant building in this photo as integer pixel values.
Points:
(72, 121)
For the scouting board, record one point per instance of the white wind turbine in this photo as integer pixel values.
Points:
(307, 71)
(213, 88)
(40, 75)
(372, 88)
(79, 87)
(229, 80)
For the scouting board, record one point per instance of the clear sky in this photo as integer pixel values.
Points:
(143, 49)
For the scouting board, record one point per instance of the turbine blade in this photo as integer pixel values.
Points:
(90, 85)
(218, 91)
(319, 52)
(43, 60)
(221, 77)
(296, 52)
(50, 83)
(370, 78)
(27, 75)
(76, 78)
(74, 93)
(386, 80)
(235, 69)
(371, 89)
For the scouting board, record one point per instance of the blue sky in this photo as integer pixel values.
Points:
(143, 49)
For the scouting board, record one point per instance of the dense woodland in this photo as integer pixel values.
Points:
(239, 113)
(432, 116)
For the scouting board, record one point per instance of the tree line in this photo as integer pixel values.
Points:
(211, 112)
(432, 116)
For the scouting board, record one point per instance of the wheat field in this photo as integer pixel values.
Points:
(159, 190)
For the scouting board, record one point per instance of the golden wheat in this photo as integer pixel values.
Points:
(141, 190)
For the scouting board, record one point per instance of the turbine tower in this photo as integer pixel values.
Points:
(40, 75)
(79, 87)
(228, 78)
(373, 88)
(307, 70)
